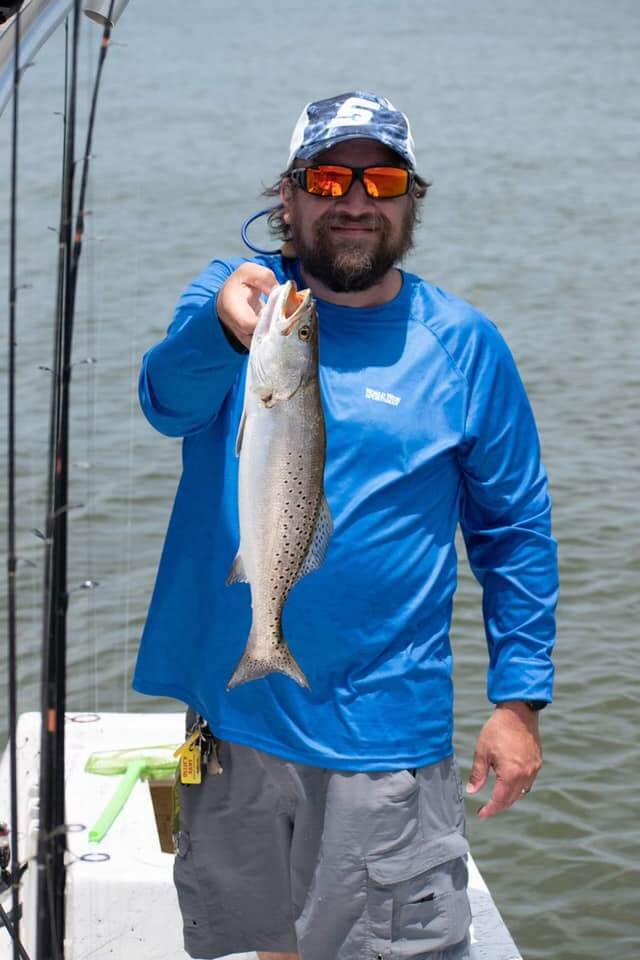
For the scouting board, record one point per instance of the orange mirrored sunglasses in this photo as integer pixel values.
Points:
(380, 182)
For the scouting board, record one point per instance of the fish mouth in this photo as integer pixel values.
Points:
(293, 303)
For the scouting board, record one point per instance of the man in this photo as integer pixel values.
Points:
(336, 828)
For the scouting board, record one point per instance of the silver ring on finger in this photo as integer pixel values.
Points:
(526, 790)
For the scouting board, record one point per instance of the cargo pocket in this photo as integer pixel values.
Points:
(195, 921)
(417, 898)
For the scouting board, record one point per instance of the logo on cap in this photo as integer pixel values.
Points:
(353, 111)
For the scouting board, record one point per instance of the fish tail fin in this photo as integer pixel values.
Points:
(253, 666)
(289, 666)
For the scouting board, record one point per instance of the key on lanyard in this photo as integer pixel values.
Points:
(190, 758)
(210, 751)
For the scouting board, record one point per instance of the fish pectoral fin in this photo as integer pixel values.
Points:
(319, 544)
(269, 397)
(243, 420)
(237, 573)
(290, 391)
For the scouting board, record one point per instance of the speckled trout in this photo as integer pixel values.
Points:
(285, 523)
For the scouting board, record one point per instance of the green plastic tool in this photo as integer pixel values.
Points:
(150, 763)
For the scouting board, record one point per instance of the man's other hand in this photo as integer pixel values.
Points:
(509, 744)
(239, 303)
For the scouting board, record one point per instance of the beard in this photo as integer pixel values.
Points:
(347, 265)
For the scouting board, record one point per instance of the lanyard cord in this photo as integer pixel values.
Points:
(247, 223)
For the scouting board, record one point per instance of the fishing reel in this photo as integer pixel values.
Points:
(5, 856)
(7, 10)
(105, 12)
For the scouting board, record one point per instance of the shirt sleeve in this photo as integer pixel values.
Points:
(185, 378)
(506, 522)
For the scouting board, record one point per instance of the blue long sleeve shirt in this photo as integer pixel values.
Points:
(428, 425)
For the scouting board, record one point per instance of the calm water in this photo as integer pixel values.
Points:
(526, 118)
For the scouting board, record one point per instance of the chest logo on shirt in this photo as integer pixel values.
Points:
(381, 397)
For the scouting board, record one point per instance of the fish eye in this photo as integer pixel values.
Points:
(304, 333)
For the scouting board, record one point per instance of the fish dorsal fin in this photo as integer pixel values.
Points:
(243, 417)
(237, 573)
(322, 530)
(243, 420)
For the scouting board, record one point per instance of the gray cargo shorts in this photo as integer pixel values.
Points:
(279, 856)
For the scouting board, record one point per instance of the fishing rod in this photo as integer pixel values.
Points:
(52, 840)
(79, 229)
(42, 16)
(12, 923)
(50, 922)
(6, 922)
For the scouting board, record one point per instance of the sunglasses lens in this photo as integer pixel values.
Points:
(328, 181)
(379, 182)
(386, 182)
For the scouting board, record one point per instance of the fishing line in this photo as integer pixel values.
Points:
(134, 572)
(90, 632)
(133, 422)
(73, 281)
(127, 606)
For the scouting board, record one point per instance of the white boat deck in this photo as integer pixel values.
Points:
(124, 907)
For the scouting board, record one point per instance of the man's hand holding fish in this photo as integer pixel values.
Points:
(239, 299)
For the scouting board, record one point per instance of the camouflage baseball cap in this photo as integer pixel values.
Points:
(348, 116)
